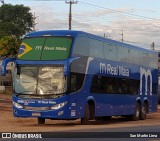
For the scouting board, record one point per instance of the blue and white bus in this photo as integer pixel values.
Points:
(61, 74)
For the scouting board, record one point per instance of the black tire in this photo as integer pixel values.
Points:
(89, 114)
(107, 117)
(104, 118)
(136, 115)
(127, 117)
(41, 120)
(144, 110)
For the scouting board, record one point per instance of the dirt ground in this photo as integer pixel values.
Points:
(10, 124)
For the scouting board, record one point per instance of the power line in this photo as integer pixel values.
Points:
(70, 8)
(117, 11)
(44, 0)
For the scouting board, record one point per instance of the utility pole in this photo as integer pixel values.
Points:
(104, 35)
(153, 46)
(122, 36)
(2, 1)
(34, 21)
(70, 12)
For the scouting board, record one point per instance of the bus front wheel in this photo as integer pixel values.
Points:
(88, 115)
(144, 110)
(41, 120)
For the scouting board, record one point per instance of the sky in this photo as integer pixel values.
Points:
(139, 20)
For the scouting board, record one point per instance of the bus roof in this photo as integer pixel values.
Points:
(74, 34)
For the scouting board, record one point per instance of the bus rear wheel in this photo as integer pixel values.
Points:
(41, 120)
(136, 115)
(89, 114)
(144, 110)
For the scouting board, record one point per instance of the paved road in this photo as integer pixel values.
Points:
(97, 129)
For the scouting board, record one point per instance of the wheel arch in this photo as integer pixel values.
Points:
(138, 100)
(91, 101)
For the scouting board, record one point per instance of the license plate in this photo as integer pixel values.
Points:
(36, 114)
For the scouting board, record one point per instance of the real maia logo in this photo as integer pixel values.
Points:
(58, 48)
(113, 70)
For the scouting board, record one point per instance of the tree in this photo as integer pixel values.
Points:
(15, 20)
(8, 46)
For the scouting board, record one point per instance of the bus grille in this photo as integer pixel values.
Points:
(36, 108)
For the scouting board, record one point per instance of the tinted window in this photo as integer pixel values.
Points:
(153, 60)
(144, 59)
(123, 54)
(96, 48)
(133, 56)
(77, 69)
(113, 85)
(110, 51)
(81, 46)
(76, 81)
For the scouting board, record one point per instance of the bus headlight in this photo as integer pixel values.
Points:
(58, 106)
(17, 105)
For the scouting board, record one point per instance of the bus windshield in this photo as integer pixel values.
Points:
(45, 48)
(40, 80)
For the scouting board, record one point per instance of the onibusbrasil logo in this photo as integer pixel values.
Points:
(24, 48)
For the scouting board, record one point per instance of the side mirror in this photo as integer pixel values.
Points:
(4, 65)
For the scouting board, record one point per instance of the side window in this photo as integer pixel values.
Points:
(76, 81)
(125, 86)
(114, 85)
(96, 48)
(135, 86)
(133, 56)
(97, 84)
(153, 60)
(77, 75)
(106, 52)
(81, 46)
(144, 59)
(111, 85)
(112, 52)
(123, 54)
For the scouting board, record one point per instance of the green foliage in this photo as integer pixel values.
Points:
(8, 46)
(15, 20)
